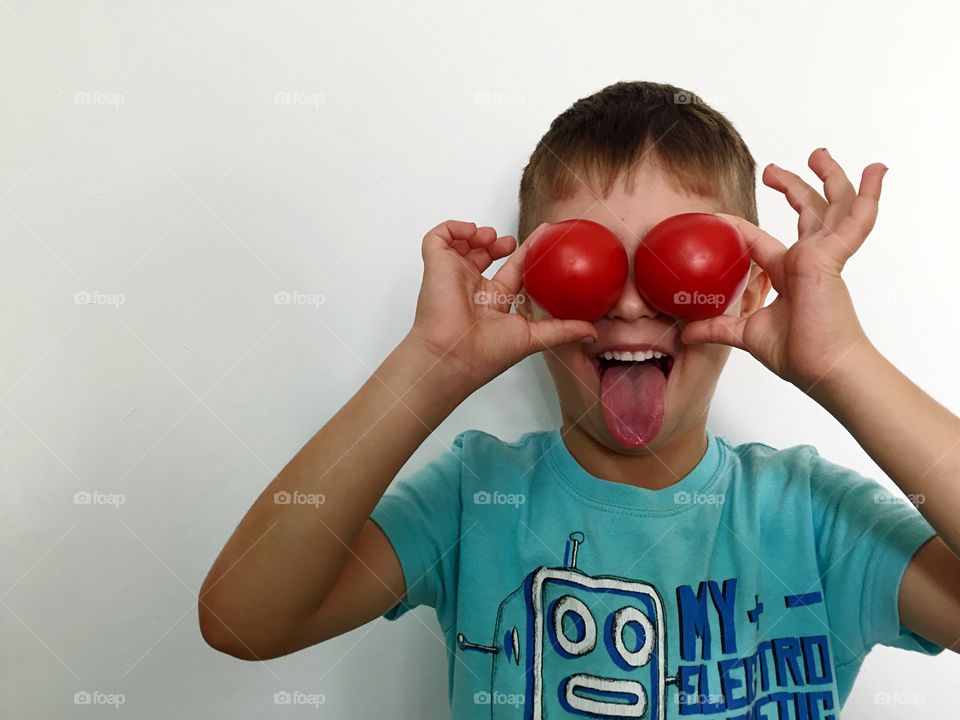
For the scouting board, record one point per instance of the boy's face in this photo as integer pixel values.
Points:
(630, 408)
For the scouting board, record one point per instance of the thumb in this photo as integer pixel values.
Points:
(548, 333)
(722, 329)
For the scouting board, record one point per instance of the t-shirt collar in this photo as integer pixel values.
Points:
(688, 492)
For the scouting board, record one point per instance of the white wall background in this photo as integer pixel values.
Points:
(143, 154)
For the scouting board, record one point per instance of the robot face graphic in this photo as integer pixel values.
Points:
(597, 646)
(568, 644)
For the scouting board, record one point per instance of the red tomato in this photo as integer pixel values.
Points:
(692, 266)
(576, 269)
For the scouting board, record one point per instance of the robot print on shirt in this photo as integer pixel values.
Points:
(550, 631)
(567, 644)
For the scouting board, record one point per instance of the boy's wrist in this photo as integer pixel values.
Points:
(429, 370)
(855, 372)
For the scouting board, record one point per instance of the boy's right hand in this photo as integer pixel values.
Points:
(464, 318)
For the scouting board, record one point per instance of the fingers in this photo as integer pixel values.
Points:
(765, 249)
(446, 233)
(510, 274)
(858, 223)
(502, 247)
(808, 203)
(475, 244)
(723, 329)
(495, 247)
(871, 182)
(550, 333)
(473, 247)
(478, 245)
(836, 186)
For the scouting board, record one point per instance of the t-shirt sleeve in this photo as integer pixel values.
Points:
(866, 537)
(420, 515)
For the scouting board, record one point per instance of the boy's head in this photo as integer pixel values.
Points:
(628, 157)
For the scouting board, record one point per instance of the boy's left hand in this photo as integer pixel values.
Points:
(811, 326)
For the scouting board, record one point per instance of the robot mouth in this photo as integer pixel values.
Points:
(605, 696)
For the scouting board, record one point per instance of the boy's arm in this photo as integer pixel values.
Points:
(293, 574)
(810, 336)
(916, 442)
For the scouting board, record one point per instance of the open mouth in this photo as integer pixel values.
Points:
(609, 358)
(633, 391)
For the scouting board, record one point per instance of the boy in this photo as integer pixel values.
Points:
(573, 574)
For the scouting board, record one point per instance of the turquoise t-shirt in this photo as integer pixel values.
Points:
(752, 588)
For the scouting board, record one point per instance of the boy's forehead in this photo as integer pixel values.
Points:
(630, 212)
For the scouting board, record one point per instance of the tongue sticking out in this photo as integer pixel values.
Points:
(633, 396)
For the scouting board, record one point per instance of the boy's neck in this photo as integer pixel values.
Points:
(652, 470)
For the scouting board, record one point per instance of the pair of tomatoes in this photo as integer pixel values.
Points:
(692, 266)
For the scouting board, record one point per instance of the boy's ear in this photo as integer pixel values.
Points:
(755, 294)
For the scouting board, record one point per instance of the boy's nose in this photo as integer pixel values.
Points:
(631, 305)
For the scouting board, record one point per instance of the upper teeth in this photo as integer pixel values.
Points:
(631, 356)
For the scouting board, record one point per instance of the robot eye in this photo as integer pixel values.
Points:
(630, 621)
(573, 626)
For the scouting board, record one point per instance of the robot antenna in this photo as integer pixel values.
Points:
(575, 539)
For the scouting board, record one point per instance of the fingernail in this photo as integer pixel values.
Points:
(885, 168)
(588, 340)
(825, 150)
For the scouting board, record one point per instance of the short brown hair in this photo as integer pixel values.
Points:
(602, 136)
